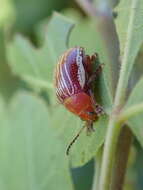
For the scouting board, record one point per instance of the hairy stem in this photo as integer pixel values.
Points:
(97, 169)
(121, 159)
(108, 154)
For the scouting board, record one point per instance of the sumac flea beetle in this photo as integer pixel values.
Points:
(73, 79)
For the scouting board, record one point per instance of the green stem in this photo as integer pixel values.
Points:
(121, 159)
(114, 127)
(108, 154)
(97, 169)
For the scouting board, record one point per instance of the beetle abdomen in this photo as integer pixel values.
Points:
(80, 104)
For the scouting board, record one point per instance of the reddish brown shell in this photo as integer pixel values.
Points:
(71, 75)
(81, 105)
(71, 82)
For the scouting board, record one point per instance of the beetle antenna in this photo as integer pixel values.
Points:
(73, 141)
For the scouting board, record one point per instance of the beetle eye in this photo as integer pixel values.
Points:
(90, 113)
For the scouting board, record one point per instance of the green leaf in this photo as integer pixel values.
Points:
(129, 28)
(32, 156)
(134, 104)
(36, 65)
(133, 111)
(136, 96)
(135, 123)
(2, 105)
(86, 147)
(58, 34)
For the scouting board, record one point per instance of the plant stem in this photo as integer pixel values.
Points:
(97, 169)
(121, 159)
(113, 126)
(108, 154)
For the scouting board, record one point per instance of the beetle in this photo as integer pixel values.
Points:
(73, 84)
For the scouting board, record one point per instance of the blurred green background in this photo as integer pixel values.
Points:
(23, 166)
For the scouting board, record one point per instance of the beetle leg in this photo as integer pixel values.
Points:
(88, 61)
(89, 127)
(88, 64)
(95, 74)
(73, 141)
(94, 57)
(98, 109)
